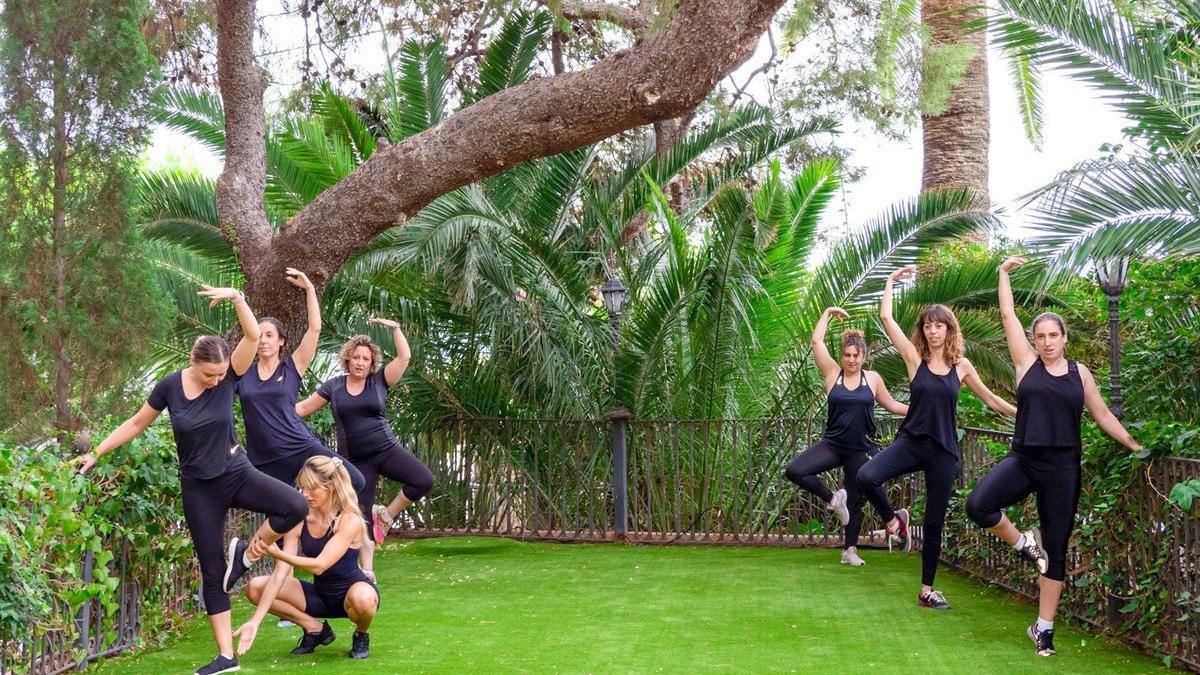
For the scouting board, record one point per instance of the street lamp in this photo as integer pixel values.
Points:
(1111, 273)
(615, 293)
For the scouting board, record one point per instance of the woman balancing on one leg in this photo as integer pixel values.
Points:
(851, 393)
(277, 442)
(325, 544)
(1052, 391)
(359, 400)
(927, 440)
(214, 474)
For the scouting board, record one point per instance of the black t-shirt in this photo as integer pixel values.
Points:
(361, 421)
(203, 426)
(273, 429)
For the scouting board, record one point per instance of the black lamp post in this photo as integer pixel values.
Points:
(1111, 275)
(615, 294)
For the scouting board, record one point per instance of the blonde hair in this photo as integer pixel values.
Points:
(356, 342)
(330, 472)
(954, 348)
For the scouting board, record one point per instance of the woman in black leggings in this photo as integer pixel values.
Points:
(359, 400)
(1052, 391)
(851, 393)
(326, 544)
(928, 439)
(213, 471)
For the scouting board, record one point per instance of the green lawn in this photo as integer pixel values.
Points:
(492, 605)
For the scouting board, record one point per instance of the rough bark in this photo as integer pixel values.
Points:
(956, 142)
(661, 77)
(626, 17)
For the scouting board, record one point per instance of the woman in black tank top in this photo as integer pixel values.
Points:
(927, 440)
(325, 544)
(1052, 391)
(851, 394)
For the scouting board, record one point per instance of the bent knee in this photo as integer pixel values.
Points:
(980, 512)
(254, 588)
(362, 597)
(420, 485)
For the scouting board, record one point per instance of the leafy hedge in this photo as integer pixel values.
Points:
(52, 518)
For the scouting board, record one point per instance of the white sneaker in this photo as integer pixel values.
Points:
(850, 557)
(838, 506)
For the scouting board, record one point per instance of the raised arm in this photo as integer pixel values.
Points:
(348, 532)
(396, 367)
(884, 397)
(311, 405)
(1100, 412)
(129, 430)
(826, 365)
(249, 630)
(243, 354)
(1022, 353)
(900, 341)
(302, 356)
(971, 378)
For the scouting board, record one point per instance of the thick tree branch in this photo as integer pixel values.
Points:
(241, 183)
(662, 77)
(626, 17)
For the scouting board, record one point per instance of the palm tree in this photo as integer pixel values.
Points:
(1147, 203)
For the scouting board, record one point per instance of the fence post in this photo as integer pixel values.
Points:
(620, 467)
(85, 612)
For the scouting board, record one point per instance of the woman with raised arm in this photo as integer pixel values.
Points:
(214, 473)
(1047, 450)
(359, 400)
(851, 393)
(927, 440)
(326, 544)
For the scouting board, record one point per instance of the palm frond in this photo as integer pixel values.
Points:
(510, 55)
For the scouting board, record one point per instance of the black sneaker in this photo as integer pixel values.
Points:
(310, 641)
(220, 665)
(361, 648)
(933, 600)
(234, 567)
(1043, 641)
(1033, 551)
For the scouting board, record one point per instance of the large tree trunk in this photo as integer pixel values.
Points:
(661, 77)
(956, 142)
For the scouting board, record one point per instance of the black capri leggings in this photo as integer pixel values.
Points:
(905, 455)
(824, 456)
(285, 469)
(206, 503)
(401, 466)
(1056, 484)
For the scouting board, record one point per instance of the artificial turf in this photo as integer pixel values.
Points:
(486, 605)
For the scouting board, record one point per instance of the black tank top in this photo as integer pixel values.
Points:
(851, 422)
(342, 574)
(933, 407)
(1049, 408)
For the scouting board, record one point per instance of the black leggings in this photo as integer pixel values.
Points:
(824, 456)
(401, 466)
(206, 503)
(1056, 485)
(905, 455)
(286, 468)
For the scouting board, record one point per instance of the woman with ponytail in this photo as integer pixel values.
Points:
(326, 545)
(848, 442)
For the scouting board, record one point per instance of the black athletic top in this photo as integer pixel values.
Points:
(341, 575)
(851, 422)
(203, 426)
(273, 429)
(1049, 408)
(933, 407)
(361, 421)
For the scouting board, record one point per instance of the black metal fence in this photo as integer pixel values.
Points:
(701, 482)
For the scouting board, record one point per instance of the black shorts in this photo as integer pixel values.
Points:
(325, 603)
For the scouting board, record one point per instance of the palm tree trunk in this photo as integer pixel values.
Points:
(956, 141)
